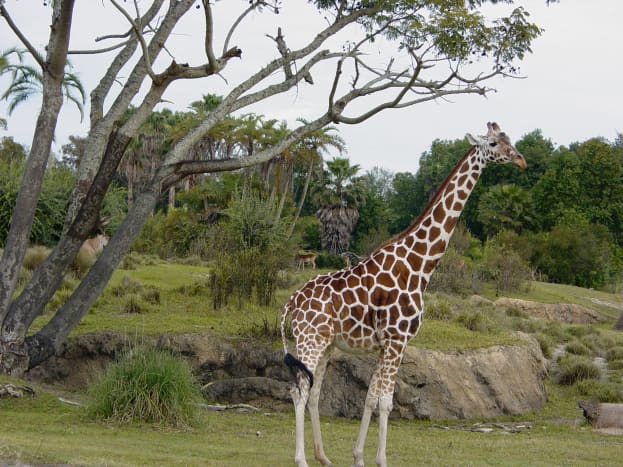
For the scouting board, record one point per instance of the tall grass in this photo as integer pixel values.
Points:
(146, 385)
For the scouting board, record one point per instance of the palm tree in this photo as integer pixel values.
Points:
(339, 201)
(27, 81)
(308, 152)
(505, 207)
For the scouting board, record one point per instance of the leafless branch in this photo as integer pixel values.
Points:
(99, 51)
(209, 36)
(24, 40)
(235, 24)
(139, 35)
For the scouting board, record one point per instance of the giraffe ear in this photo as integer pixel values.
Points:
(472, 139)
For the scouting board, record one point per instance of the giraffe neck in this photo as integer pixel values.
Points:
(427, 239)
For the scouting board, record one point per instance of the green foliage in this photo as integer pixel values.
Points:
(438, 308)
(329, 261)
(405, 200)
(254, 248)
(545, 343)
(505, 266)
(573, 368)
(601, 391)
(455, 274)
(136, 298)
(614, 353)
(505, 207)
(577, 348)
(478, 321)
(50, 210)
(146, 385)
(581, 254)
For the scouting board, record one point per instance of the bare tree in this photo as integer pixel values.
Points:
(436, 45)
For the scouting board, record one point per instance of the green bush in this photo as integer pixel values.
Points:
(573, 368)
(133, 303)
(602, 391)
(545, 343)
(455, 274)
(577, 348)
(146, 385)
(439, 309)
(330, 261)
(615, 365)
(506, 267)
(476, 320)
(614, 353)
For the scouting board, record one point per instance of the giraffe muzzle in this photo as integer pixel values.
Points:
(519, 161)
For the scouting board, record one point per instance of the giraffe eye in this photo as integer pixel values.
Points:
(493, 144)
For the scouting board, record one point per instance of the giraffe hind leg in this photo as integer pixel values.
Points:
(314, 415)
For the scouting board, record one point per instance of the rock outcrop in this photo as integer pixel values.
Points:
(431, 384)
(562, 312)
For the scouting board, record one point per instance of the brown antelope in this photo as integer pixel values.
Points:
(305, 258)
(94, 246)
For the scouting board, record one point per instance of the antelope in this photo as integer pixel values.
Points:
(305, 258)
(94, 246)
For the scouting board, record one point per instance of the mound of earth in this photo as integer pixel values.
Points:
(431, 384)
(562, 312)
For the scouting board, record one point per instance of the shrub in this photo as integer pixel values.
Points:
(614, 353)
(615, 365)
(438, 308)
(455, 274)
(506, 267)
(133, 303)
(602, 391)
(194, 289)
(34, 257)
(330, 261)
(128, 285)
(577, 348)
(572, 368)
(545, 343)
(146, 385)
(477, 321)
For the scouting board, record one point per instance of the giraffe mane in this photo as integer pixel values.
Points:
(431, 203)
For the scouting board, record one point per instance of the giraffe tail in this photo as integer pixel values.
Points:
(294, 364)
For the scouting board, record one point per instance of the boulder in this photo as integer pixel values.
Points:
(440, 385)
(607, 418)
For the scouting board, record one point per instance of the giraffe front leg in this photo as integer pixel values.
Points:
(385, 407)
(372, 398)
(392, 356)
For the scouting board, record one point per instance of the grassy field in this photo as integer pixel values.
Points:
(159, 297)
(43, 430)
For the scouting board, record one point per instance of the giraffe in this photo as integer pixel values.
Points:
(377, 305)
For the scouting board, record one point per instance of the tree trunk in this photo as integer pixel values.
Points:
(48, 340)
(299, 206)
(30, 187)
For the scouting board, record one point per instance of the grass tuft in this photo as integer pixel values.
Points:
(146, 385)
(573, 368)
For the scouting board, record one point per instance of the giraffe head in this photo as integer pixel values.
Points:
(496, 147)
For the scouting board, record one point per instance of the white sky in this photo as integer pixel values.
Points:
(571, 90)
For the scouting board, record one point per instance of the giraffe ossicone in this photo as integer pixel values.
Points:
(377, 305)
